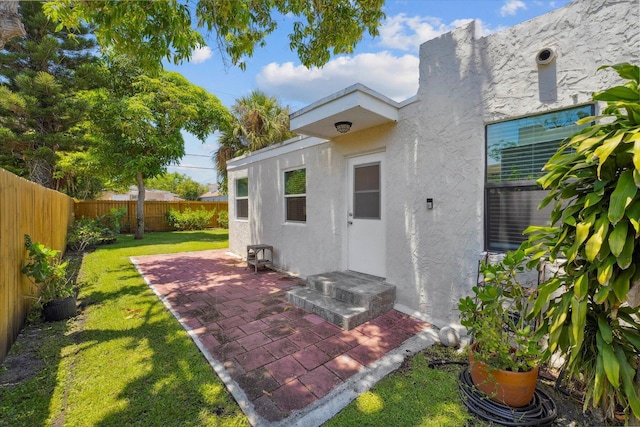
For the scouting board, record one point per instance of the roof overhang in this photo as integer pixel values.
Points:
(363, 107)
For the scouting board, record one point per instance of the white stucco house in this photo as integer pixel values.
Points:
(415, 192)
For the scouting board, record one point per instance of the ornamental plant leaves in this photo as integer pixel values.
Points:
(622, 196)
(618, 237)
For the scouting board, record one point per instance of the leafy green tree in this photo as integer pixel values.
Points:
(153, 30)
(257, 121)
(179, 184)
(39, 75)
(79, 175)
(137, 121)
(593, 309)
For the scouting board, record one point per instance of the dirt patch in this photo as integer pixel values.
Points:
(24, 362)
(25, 359)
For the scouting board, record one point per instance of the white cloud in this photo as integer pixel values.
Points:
(201, 54)
(510, 7)
(392, 76)
(407, 33)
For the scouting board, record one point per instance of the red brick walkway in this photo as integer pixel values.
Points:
(284, 358)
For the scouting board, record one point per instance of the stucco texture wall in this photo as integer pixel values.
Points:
(437, 150)
(466, 82)
(301, 248)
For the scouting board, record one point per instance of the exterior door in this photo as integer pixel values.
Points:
(366, 231)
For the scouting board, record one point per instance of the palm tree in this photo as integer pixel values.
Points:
(257, 121)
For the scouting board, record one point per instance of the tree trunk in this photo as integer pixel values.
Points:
(41, 171)
(10, 24)
(139, 234)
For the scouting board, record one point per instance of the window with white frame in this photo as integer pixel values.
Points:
(516, 151)
(242, 198)
(295, 195)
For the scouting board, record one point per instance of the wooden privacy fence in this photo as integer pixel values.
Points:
(45, 215)
(154, 211)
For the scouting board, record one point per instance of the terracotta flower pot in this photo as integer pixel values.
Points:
(509, 388)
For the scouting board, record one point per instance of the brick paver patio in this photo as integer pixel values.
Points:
(281, 356)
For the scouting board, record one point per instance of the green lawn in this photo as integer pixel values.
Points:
(127, 361)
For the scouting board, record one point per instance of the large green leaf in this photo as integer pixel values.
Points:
(622, 283)
(605, 329)
(617, 93)
(636, 153)
(605, 270)
(598, 380)
(628, 381)
(622, 196)
(578, 322)
(590, 142)
(560, 315)
(632, 336)
(609, 361)
(618, 237)
(608, 146)
(583, 229)
(633, 213)
(625, 70)
(602, 294)
(626, 256)
(544, 291)
(595, 241)
(581, 286)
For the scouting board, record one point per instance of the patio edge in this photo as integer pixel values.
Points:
(325, 408)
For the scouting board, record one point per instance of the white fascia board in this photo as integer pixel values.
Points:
(352, 97)
(288, 146)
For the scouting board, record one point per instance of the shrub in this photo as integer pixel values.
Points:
(47, 271)
(593, 318)
(189, 220)
(113, 220)
(85, 232)
(223, 219)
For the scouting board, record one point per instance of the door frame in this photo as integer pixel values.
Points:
(347, 196)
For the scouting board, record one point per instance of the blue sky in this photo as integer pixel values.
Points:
(387, 63)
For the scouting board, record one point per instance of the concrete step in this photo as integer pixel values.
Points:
(347, 316)
(360, 289)
(345, 298)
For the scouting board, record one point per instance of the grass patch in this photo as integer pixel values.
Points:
(125, 360)
(415, 395)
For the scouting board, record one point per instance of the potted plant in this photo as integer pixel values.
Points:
(46, 270)
(504, 358)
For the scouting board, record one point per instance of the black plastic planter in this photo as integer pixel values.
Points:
(60, 309)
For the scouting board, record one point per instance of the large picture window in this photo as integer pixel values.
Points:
(517, 150)
(242, 198)
(295, 195)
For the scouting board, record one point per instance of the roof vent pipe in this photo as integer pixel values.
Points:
(545, 56)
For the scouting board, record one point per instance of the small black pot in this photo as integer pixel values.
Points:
(60, 309)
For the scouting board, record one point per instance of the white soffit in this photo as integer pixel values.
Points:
(363, 107)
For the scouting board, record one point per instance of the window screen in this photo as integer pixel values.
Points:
(366, 191)
(295, 189)
(242, 198)
(517, 150)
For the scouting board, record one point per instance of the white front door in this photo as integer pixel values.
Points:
(366, 233)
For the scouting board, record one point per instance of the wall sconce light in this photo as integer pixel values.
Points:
(429, 203)
(343, 127)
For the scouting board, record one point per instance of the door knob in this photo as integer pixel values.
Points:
(350, 222)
